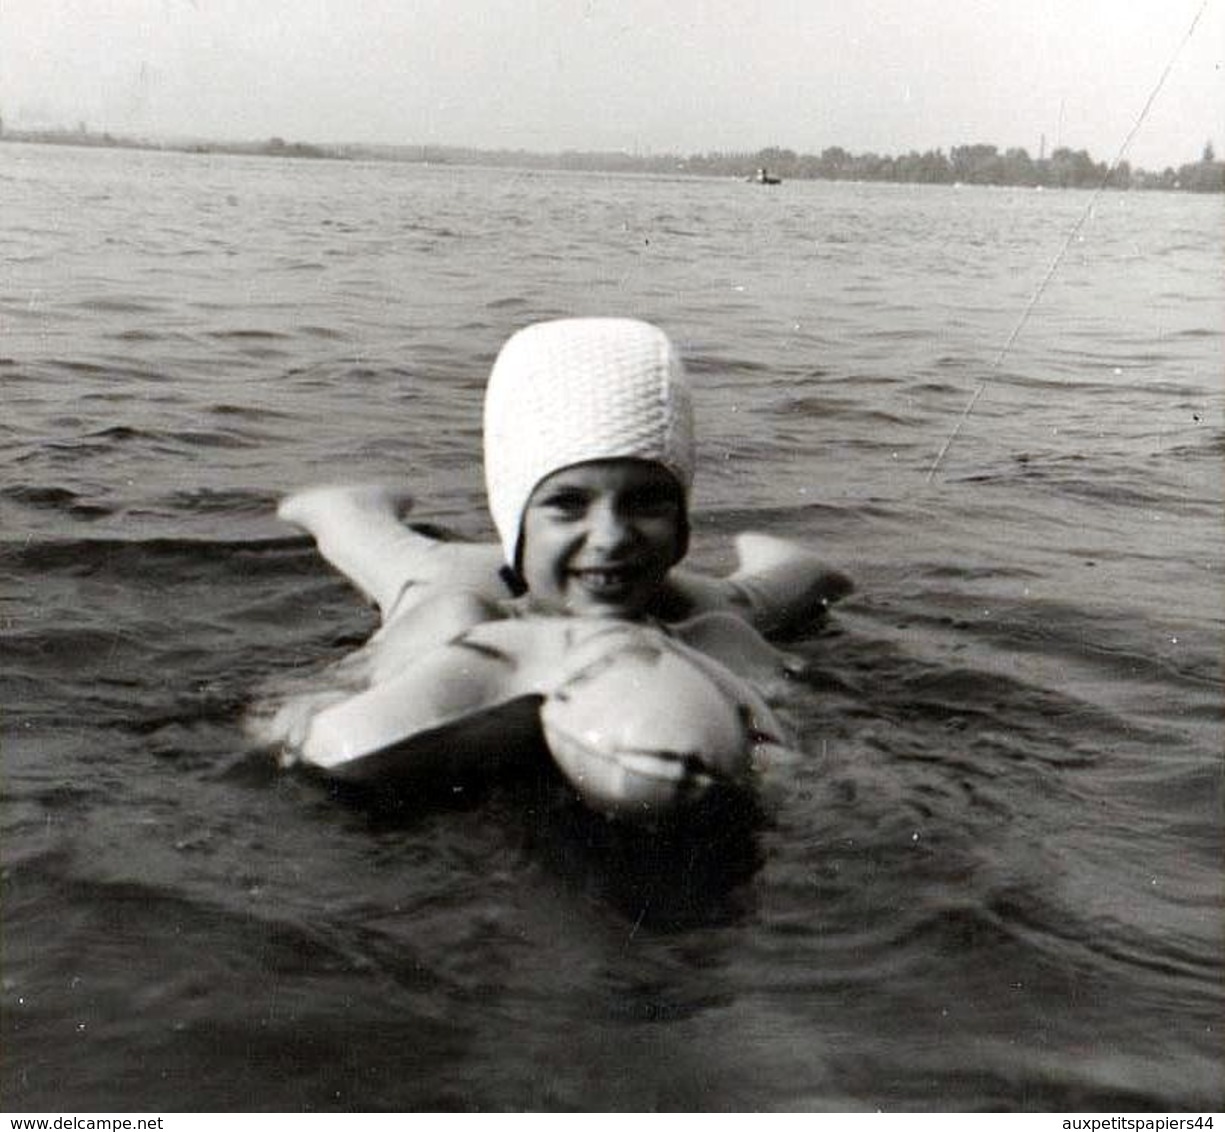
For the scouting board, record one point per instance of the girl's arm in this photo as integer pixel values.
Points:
(360, 530)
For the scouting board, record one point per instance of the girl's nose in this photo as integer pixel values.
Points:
(607, 529)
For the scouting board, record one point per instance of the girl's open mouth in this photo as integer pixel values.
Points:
(606, 581)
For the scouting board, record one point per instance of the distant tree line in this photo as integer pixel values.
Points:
(964, 164)
(978, 164)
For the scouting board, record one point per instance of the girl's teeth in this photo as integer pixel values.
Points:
(603, 577)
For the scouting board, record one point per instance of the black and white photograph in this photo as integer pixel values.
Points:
(561, 556)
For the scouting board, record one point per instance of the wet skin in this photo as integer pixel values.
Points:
(599, 538)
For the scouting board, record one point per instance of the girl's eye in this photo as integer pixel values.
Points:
(567, 503)
(652, 504)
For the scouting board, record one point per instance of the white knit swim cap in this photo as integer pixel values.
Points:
(575, 390)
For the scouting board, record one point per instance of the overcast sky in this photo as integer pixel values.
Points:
(682, 76)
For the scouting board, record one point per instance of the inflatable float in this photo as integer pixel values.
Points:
(637, 720)
(640, 718)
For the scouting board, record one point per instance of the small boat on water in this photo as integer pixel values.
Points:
(763, 177)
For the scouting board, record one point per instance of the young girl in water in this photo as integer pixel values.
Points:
(589, 458)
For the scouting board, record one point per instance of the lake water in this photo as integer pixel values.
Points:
(994, 881)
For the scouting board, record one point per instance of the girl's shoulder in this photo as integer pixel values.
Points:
(780, 587)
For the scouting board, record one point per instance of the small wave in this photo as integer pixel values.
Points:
(99, 442)
(75, 365)
(209, 501)
(1196, 332)
(361, 373)
(815, 405)
(726, 367)
(247, 334)
(430, 230)
(1121, 487)
(938, 387)
(1076, 377)
(978, 573)
(66, 649)
(129, 558)
(249, 412)
(58, 499)
(1211, 445)
(119, 306)
(145, 335)
(102, 901)
(214, 438)
(819, 407)
(120, 433)
(105, 440)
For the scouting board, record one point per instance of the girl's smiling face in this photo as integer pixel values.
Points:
(599, 538)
